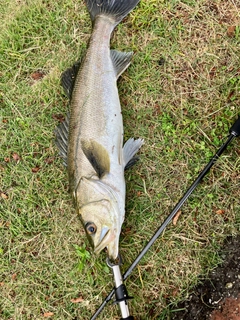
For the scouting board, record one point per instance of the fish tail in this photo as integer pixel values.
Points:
(116, 9)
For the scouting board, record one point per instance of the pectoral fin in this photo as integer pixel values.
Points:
(130, 148)
(97, 155)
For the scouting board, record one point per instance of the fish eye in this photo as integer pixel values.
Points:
(91, 228)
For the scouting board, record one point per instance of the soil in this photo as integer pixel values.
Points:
(218, 297)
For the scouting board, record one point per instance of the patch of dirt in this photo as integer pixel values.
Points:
(229, 309)
(218, 297)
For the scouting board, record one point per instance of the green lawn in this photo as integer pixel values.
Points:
(181, 94)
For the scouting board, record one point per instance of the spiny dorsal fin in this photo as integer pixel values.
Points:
(121, 61)
(68, 78)
(61, 134)
(130, 148)
(97, 155)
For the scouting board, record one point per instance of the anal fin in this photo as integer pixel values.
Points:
(121, 61)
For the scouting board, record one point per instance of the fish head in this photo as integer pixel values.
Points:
(101, 226)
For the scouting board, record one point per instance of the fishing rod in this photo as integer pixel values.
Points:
(121, 294)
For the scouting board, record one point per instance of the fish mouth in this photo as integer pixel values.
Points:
(105, 238)
(104, 232)
(112, 250)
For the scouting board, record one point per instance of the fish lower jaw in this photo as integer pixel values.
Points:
(104, 242)
(107, 241)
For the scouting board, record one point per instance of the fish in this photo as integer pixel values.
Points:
(90, 140)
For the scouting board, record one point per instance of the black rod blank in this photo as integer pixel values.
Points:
(234, 132)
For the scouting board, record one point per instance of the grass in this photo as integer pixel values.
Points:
(181, 94)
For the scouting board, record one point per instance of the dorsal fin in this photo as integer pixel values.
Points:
(61, 134)
(97, 155)
(130, 148)
(68, 78)
(121, 61)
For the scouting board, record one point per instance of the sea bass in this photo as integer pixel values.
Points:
(91, 138)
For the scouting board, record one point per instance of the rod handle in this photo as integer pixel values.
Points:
(128, 318)
(235, 129)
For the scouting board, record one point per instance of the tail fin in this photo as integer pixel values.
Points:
(117, 9)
